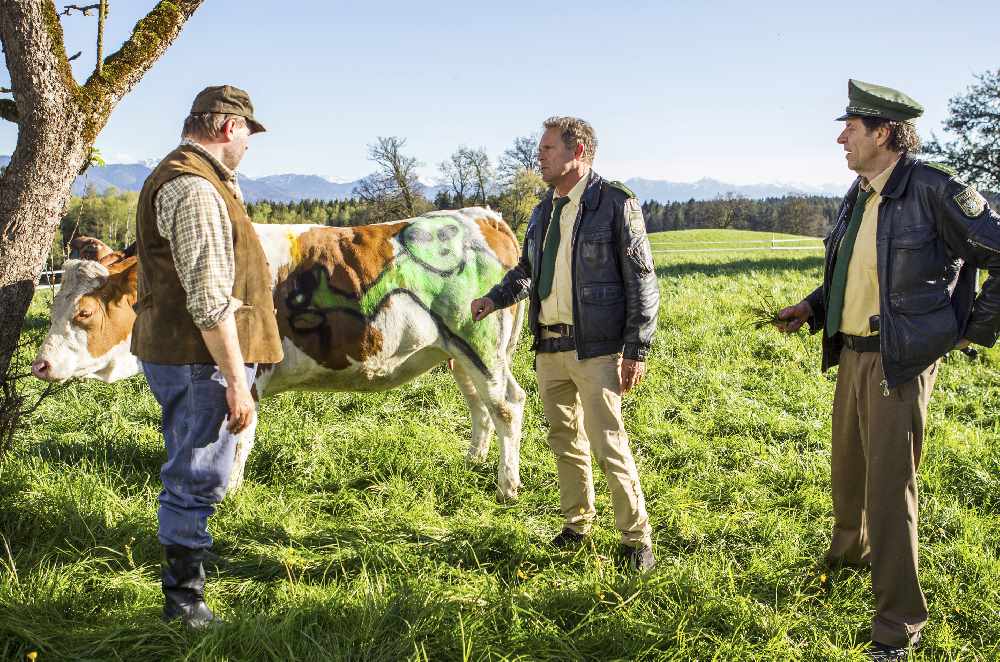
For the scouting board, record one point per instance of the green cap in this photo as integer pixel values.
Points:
(868, 100)
(229, 100)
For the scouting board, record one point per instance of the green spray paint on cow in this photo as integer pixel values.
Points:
(441, 266)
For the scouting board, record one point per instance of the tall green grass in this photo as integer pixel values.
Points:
(361, 535)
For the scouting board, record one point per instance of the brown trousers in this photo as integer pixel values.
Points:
(877, 441)
(583, 406)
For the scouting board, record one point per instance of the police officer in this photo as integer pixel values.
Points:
(588, 271)
(899, 292)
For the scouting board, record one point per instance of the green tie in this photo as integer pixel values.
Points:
(548, 271)
(835, 302)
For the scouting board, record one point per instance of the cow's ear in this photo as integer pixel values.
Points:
(111, 258)
(122, 264)
(122, 277)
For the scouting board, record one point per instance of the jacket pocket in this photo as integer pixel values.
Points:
(917, 257)
(922, 326)
(597, 251)
(603, 294)
(913, 238)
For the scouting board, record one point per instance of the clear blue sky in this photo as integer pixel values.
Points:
(739, 91)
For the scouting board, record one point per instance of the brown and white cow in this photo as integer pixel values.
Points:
(359, 309)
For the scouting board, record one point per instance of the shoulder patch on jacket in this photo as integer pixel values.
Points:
(943, 167)
(970, 202)
(621, 187)
(633, 215)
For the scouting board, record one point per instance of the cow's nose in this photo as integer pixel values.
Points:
(40, 369)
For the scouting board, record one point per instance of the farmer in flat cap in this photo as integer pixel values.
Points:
(205, 319)
(898, 293)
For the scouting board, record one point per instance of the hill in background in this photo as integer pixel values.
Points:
(294, 187)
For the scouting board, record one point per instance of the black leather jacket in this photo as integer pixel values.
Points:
(934, 231)
(615, 293)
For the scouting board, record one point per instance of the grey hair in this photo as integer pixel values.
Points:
(575, 131)
(206, 125)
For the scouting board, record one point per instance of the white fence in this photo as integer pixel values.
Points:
(733, 246)
(49, 279)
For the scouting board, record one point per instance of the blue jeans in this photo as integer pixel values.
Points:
(200, 450)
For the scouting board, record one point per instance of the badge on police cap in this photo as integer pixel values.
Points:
(970, 202)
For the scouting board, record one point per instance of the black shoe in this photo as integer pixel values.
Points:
(183, 583)
(639, 559)
(567, 539)
(886, 653)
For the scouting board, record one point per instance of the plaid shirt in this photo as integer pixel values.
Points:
(192, 217)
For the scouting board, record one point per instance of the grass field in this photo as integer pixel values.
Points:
(361, 535)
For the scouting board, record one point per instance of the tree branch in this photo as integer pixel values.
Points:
(123, 69)
(36, 55)
(83, 10)
(8, 110)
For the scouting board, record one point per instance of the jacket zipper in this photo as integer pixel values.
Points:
(885, 381)
(989, 248)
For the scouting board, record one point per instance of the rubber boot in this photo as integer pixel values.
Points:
(183, 581)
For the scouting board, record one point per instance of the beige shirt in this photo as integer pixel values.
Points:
(557, 308)
(861, 292)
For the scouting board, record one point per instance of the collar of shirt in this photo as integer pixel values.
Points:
(226, 172)
(880, 180)
(576, 192)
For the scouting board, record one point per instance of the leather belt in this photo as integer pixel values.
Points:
(551, 345)
(861, 343)
(561, 329)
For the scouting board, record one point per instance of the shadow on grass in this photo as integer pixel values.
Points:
(135, 464)
(740, 266)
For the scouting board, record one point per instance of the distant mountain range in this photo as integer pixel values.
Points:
(291, 187)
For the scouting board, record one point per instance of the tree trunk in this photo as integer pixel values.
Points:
(49, 153)
(58, 121)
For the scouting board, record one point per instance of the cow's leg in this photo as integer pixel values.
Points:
(510, 447)
(482, 424)
(504, 400)
(244, 442)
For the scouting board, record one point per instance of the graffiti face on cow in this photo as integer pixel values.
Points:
(92, 320)
(437, 244)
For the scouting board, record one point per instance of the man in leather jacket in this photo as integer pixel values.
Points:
(899, 292)
(587, 269)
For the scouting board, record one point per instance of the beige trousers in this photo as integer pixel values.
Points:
(876, 447)
(583, 405)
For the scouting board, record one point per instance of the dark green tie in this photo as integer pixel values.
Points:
(548, 271)
(835, 301)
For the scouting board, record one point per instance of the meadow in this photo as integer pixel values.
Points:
(360, 533)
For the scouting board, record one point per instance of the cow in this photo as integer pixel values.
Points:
(363, 308)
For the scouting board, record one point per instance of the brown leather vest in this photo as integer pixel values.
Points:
(164, 331)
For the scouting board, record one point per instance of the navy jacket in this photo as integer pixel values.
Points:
(616, 297)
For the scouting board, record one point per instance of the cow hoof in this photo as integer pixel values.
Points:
(506, 497)
(475, 459)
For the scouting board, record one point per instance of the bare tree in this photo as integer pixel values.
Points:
(457, 175)
(393, 190)
(522, 155)
(482, 173)
(58, 120)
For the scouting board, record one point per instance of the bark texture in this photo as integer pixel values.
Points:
(58, 121)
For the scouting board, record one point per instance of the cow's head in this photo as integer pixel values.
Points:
(91, 325)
